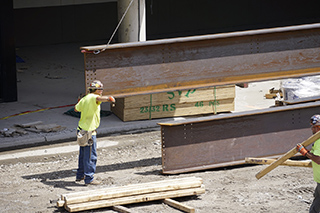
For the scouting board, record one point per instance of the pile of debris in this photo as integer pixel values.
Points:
(274, 93)
(36, 127)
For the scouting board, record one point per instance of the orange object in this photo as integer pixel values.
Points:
(301, 149)
(112, 99)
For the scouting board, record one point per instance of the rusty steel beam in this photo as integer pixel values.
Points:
(209, 60)
(225, 140)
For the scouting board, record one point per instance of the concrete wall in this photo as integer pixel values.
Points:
(173, 18)
(63, 24)
(67, 21)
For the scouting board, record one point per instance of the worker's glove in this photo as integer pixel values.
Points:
(112, 99)
(301, 149)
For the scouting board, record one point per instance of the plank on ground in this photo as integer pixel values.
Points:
(122, 209)
(110, 190)
(129, 191)
(179, 206)
(285, 163)
(134, 199)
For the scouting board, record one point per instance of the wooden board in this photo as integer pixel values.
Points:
(130, 190)
(178, 103)
(179, 206)
(135, 199)
(133, 193)
(285, 163)
(286, 156)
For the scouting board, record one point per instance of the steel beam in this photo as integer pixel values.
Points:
(224, 140)
(200, 61)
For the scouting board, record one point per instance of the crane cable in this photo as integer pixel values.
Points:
(114, 32)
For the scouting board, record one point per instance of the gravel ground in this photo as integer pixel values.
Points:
(33, 183)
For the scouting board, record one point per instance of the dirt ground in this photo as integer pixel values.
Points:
(33, 184)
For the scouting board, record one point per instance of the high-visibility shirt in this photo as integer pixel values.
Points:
(90, 112)
(316, 167)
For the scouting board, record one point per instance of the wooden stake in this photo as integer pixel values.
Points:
(179, 206)
(286, 163)
(286, 156)
(121, 209)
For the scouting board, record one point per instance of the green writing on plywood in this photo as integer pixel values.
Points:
(172, 107)
(214, 103)
(160, 108)
(172, 94)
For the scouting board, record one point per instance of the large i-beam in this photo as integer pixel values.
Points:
(200, 61)
(226, 140)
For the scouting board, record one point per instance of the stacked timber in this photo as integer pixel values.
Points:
(176, 103)
(135, 193)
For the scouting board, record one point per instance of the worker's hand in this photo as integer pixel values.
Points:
(301, 149)
(112, 99)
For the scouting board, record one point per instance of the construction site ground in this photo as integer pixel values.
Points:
(36, 168)
(34, 181)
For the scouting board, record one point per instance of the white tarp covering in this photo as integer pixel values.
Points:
(295, 88)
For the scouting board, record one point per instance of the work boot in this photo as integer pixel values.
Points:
(78, 180)
(94, 182)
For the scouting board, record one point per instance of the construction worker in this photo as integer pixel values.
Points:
(89, 106)
(314, 155)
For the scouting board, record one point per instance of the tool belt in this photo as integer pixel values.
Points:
(84, 138)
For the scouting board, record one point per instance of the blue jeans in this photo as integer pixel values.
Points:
(87, 161)
(315, 206)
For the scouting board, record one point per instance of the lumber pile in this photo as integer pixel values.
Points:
(175, 103)
(135, 193)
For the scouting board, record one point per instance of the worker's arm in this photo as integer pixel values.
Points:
(314, 158)
(106, 99)
(305, 152)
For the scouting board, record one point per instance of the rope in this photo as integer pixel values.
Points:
(125, 13)
(114, 32)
